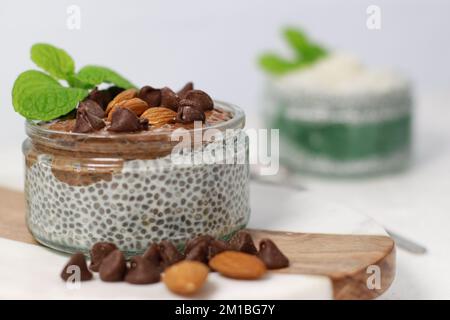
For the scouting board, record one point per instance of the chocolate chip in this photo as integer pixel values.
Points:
(113, 267)
(76, 266)
(69, 116)
(216, 247)
(187, 87)
(87, 121)
(242, 241)
(144, 123)
(169, 99)
(96, 122)
(142, 271)
(114, 91)
(199, 252)
(152, 254)
(92, 107)
(102, 97)
(272, 257)
(98, 252)
(201, 99)
(191, 243)
(150, 95)
(187, 114)
(169, 253)
(82, 124)
(125, 120)
(190, 103)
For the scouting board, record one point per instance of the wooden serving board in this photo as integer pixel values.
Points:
(347, 260)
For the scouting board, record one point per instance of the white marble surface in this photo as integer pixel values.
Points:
(32, 272)
(29, 271)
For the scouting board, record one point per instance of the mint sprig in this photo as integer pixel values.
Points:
(95, 75)
(306, 52)
(40, 96)
(53, 60)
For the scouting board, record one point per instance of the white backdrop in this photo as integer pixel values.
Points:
(215, 43)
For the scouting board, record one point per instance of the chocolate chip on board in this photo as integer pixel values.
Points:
(152, 254)
(183, 91)
(98, 252)
(201, 99)
(191, 243)
(199, 252)
(242, 241)
(271, 255)
(125, 120)
(169, 99)
(187, 114)
(150, 95)
(113, 267)
(216, 247)
(169, 253)
(76, 267)
(142, 271)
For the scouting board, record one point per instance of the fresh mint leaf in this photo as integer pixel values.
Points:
(38, 96)
(305, 49)
(277, 65)
(313, 53)
(53, 60)
(75, 82)
(95, 75)
(306, 53)
(296, 39)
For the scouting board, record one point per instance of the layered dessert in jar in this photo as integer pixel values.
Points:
(134, 166)
(336, 116)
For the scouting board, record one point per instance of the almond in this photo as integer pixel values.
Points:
(238, 265)
(136, 105)
(159, 116)
(186, 277)
(124, 95)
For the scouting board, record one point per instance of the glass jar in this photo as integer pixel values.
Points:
(342, 135)
(132, 189)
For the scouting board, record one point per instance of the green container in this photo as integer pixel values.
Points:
(342, 134)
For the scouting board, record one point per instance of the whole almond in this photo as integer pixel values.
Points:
(186, 277)
(238, 265)
(124, 95)
(159, 116)
(136, 105)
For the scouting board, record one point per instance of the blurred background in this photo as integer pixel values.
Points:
(216, 45)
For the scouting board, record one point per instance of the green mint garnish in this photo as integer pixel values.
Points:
(303, 47)
(306, 52)
(53, 60)
(39, 96)
(275, 64)
(95, 75)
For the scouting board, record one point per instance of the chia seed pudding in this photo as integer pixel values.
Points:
(339, 118)
(122, 187)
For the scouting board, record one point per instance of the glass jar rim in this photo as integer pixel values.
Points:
(126, 145)
(33, 129)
